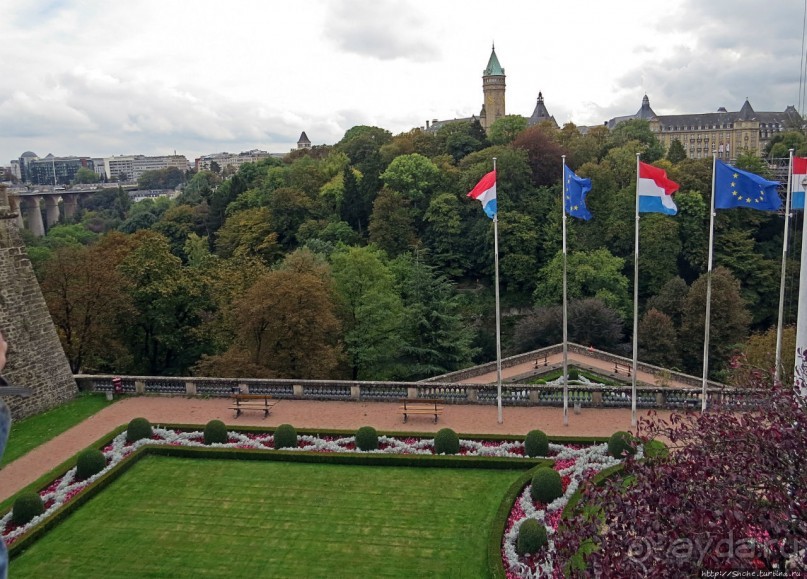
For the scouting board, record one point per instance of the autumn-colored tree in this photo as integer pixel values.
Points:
(543, 152)
(756, 362)
(285, 328)
(86, 299)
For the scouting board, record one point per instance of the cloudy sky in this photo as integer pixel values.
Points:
(101, 78)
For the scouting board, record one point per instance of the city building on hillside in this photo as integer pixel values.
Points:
(131, 167)
(53, 170)
(224, 160)
(722, 133)
(494, 88)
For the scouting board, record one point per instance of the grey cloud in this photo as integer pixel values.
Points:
(390, 31)
(742, 51)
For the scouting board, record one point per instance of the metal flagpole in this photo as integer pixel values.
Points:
(635, 302)
(708, 287)
(565, 325)
(498, 317)
(777, 373)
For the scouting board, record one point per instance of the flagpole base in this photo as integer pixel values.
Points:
(500, 418)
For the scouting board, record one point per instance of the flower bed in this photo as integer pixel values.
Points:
(574, 462)
(574, 465)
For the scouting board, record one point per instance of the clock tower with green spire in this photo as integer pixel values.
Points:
(493, 88)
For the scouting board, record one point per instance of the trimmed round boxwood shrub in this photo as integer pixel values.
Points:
(574, 374)
(536, 443)
(216, 432)
(26, 507)
(531, 537)
(546, 485)
(446, 441)
(656, 449)
(620, 444)
(139, 428)
(89, 462)
(285, 436)
(366, 438)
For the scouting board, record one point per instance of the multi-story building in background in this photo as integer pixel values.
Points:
(131, 167)
(224, 160)
(53, 170)
(723, 133)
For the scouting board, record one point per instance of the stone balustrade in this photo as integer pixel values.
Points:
(513, 394)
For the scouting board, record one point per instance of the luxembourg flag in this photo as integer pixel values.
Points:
(798, 183)
(485, 191)
(655, 190)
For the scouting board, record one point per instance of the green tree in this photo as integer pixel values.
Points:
(355, 207)
(670, 300)
(85, 175)
(371, 311)
(249, 233)
(288, 208)
(169, 302)
(676, 153)
(659, 248)
(728, 322)
(435, 338)
(505, 129)
(596, 274)
(413, 176)
(590, 322)
(637, 130)
(658, 340)
(391, 225)
(443, 233)
(781, 143)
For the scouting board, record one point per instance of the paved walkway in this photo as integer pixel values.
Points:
(465, 419)
(574, 359)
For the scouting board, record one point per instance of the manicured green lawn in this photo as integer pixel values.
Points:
(177, 517)
(29, 433)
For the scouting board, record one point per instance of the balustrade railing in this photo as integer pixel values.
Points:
(513, 394)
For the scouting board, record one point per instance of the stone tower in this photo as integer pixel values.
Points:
(493, 89)
(35, 356)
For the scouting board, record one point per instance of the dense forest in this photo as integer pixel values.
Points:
(366, 260)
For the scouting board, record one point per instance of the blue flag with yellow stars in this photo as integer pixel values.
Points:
(737, 188)
(575, 191)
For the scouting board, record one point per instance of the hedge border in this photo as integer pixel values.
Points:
(393, 433)
(498, 526)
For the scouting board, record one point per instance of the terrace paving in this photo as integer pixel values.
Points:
(465, 419)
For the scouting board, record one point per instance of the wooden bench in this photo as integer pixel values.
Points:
(263, 402)
(420, 406)
(538, 362)
(627, 368)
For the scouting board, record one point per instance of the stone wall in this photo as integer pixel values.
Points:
(35, 356)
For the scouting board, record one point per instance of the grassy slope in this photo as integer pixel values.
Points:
(29, 433)
(171, 517)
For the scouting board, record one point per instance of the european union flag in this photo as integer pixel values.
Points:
(737, 188)
(575, 191)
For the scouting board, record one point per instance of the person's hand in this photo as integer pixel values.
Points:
(3, 350)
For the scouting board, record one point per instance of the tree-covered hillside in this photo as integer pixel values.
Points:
(366, 260)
